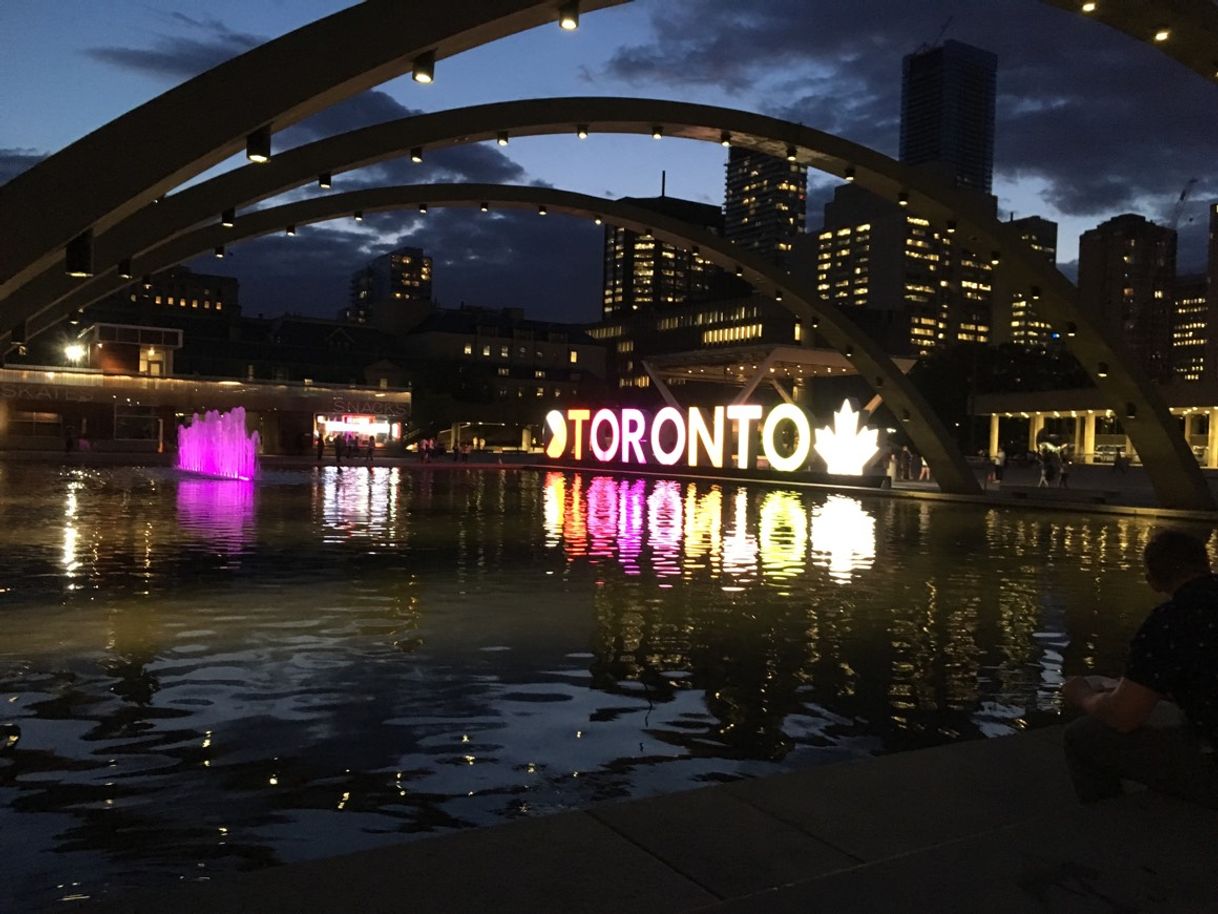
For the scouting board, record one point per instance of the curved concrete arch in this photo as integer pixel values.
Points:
(143, 154)
(1192, 26)
(924, 428)
(1174, 472)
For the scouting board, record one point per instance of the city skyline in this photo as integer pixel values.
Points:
(842, 76)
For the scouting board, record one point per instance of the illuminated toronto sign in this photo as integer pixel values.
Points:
(716, 437)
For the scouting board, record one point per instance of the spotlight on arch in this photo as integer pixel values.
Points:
(124, 269)
(358, 215)
(220, 252)
(1162, 33)
(903, 198)
(568, 16)
(657, 132)
(423, 70)
(325, 180)
(582, 131)
(850, 175)
(792, 154)
(258, 146)
(416, 155)
(502, 138)
(542, 211)
(485, 207)
(423, 209)
(228, 218)
(597, 220)
(1089, 6)
(725, 139)
(290, 230)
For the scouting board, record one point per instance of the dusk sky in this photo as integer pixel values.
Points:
(1090, 122)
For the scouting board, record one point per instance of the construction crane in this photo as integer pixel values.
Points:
(1178, 209)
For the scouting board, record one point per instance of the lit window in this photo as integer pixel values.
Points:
(469, 348)
(486, 351)
(573, 357)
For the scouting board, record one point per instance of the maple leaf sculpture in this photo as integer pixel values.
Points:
(846, 448)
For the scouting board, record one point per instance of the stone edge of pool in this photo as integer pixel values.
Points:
(989, 823)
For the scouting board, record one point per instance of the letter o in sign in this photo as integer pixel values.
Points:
(664, 417)
(605, 417)
(787, 412)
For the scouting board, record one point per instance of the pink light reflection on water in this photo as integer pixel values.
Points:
(220, 511)
(218, 445)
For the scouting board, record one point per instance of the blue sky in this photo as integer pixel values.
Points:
(1091, 123)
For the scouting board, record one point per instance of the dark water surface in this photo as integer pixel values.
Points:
(212, 676)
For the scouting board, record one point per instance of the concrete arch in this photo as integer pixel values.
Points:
(1177, 478)
(136, 158)
(1192, 25)
(923, 426)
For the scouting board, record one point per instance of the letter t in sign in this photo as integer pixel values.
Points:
(579, 417)
(744, 414)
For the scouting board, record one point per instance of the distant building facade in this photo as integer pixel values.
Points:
(1024, 326)
(947, 112)
(1190, 343)
(391, 292)
(905, 280)
(765, 203)
(642, 273)
(1126, 276)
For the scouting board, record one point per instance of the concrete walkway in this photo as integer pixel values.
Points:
(986, 826)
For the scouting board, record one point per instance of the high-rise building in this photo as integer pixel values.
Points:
(1126, 274)
(947, 112)
(1190, 312)
(765, 203)
(1024, 326)
(392, 291)
(643, 273)
(903, 279)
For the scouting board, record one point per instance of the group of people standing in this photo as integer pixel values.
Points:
(905, 465)
(348, 445)
(1056, 464)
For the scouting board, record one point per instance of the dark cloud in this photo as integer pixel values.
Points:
(14, 161)
(549, 266)
(1102, 122)
(208, 42)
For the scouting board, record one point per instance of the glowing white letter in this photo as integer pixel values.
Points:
(803, 434)
(743, 414)
(668, 415)
(604, 416)
(633, 426)
(698, 432)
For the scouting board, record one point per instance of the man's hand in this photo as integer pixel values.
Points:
(1076, 690)
(1124, 708)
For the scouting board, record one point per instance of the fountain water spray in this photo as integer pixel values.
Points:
(217, 445)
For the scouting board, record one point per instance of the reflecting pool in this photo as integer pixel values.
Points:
(201, 676)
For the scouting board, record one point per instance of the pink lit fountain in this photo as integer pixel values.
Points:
(218, 446)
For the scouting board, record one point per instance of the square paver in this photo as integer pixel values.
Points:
(569, 863)
(898, 804)
(721, 843)
(1145, 854)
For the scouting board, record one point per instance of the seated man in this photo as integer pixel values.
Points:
(1173, 658)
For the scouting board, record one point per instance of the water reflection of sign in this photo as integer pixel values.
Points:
(672, 529)
(698, 437)
(843, 537)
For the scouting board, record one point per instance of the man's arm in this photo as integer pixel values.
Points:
(1124, 708)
